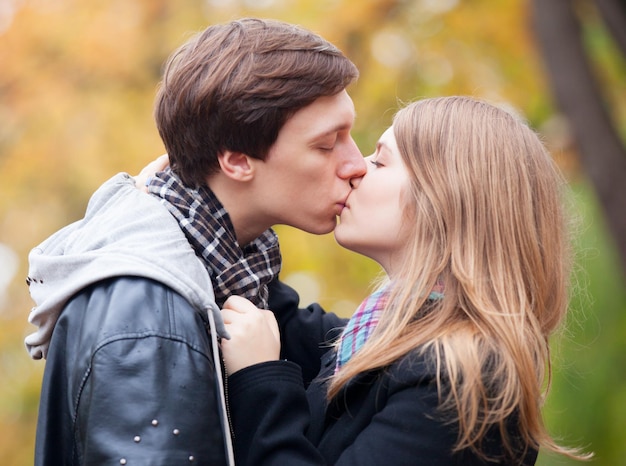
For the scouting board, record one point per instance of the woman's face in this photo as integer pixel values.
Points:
(372, 222)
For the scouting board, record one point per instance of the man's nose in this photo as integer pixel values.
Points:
(355, 182)
(353, 164)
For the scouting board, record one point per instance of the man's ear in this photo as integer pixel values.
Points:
(236, 165)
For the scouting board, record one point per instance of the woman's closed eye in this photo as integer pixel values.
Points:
(376, 163)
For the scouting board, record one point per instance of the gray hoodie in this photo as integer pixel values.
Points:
(125, 232)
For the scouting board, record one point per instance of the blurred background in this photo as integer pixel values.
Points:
(77, 82)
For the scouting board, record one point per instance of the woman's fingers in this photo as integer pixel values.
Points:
(157, 165)
(254, 335)
(240, 304)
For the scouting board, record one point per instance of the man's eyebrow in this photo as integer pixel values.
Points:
(335, 129)
(342, 126)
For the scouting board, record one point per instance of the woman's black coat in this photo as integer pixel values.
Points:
(383, 417)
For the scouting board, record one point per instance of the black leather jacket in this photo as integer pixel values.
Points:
(130, 379)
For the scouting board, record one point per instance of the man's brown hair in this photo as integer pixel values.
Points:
(233, 86)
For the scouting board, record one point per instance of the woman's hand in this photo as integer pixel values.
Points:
(157, 165)
(254, 335)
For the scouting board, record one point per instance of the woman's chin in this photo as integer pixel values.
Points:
(343, 239)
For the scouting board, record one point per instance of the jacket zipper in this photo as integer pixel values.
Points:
(228, 416)
(222, 386)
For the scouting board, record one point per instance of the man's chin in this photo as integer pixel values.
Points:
(329, 227)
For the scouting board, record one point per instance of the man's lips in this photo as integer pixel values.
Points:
(343, 204)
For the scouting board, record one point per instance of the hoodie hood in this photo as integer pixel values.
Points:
(125, 232)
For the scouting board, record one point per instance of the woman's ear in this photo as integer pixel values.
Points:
(236, 165)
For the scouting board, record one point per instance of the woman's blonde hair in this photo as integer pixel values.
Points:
(488, 224)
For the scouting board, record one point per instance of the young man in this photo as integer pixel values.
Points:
(256, 121)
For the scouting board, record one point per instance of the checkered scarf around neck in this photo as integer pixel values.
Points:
(208, 228)
(364, 321)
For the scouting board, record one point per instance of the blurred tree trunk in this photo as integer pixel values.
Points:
(614, 15)
(579, 97)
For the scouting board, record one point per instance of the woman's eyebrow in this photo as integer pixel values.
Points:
(381, 146)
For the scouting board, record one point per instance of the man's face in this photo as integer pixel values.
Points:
(305, 179)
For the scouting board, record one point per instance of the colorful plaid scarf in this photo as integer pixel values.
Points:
(360, 326)
(364, 321)
(208, 228)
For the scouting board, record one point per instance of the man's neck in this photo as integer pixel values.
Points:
(236, 198)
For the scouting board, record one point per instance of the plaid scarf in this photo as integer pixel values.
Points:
(364, 321)
(360, 326)
(208, 228)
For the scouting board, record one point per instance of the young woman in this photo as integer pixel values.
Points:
(447, 362)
